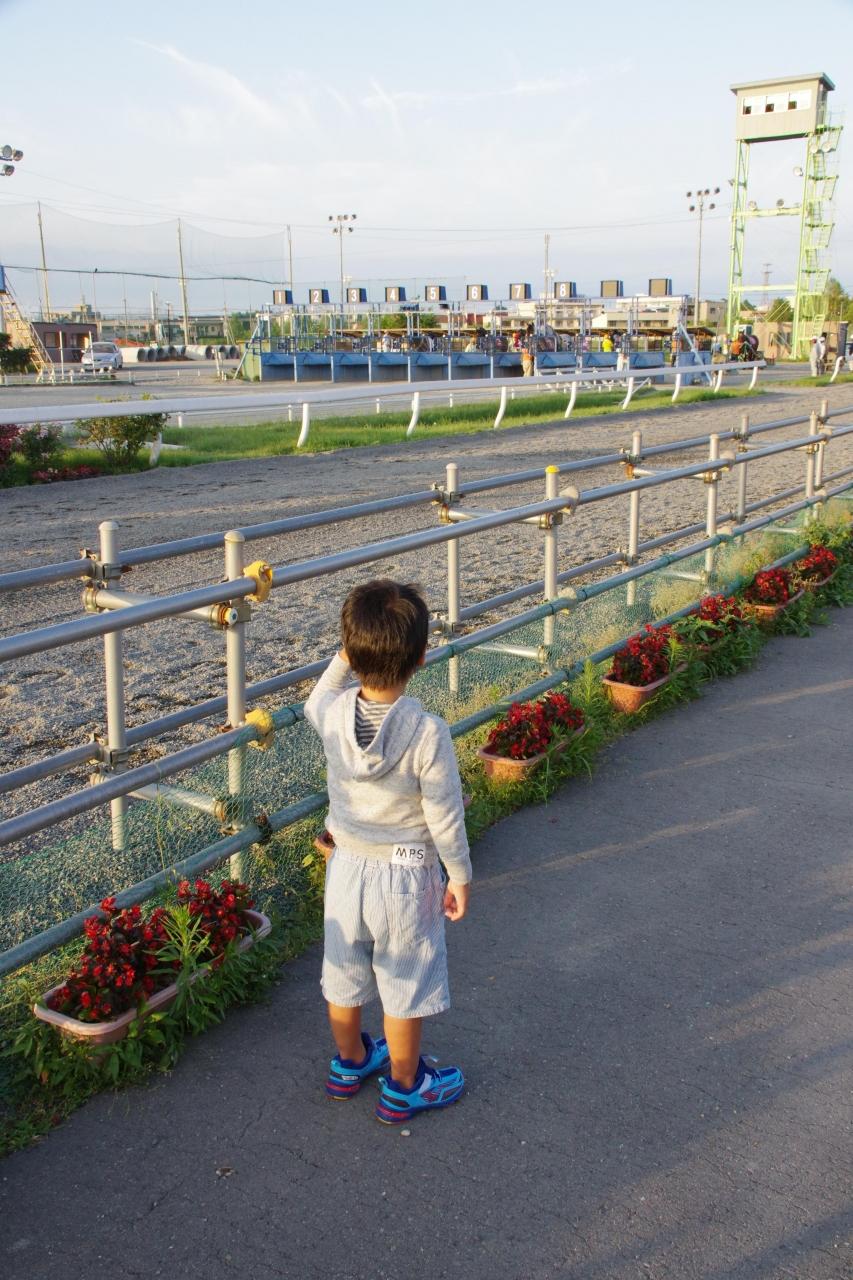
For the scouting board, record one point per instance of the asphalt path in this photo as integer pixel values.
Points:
(651, 1006)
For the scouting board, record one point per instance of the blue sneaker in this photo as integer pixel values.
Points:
(346, 1077)
(434, 1087)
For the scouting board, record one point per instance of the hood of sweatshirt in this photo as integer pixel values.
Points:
(399, 727)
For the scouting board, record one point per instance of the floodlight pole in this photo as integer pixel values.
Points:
(699, 207)
(341, 224)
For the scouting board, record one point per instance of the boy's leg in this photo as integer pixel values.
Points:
(404, 1044)
(346, 1031)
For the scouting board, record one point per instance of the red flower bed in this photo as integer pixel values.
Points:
(8, 440)
(51, 474)
(818, 565)
(529, 728)
(644, 659)
(722, 613)
(771, 586)
(121, 964)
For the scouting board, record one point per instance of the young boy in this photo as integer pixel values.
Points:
(395, 807)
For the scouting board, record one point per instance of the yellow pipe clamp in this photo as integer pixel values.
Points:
(265, 725)
(262, 574)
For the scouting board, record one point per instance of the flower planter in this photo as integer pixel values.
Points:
(104, 1033)
(629, 698)
(814, 584)
(766, 614)
(507, 769)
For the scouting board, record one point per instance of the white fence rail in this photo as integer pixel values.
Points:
(352, 398)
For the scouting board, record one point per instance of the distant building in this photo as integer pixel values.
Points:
(65, 340)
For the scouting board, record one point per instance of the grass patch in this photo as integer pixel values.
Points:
(822, 381)
(273, 439)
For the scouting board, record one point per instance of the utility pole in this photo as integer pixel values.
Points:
(47, 311)
(183, 286)
(290, 258)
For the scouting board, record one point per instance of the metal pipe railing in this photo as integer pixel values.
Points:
(49, 636)
(18, 580)
(49, 939)
(167, 606)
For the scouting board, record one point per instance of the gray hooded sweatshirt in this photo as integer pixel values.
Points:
(402, 791)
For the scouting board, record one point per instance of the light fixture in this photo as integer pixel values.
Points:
(752, 206)
(798, 173)
(780, 204)
(7, 170)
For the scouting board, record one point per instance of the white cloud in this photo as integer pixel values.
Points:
(227, 87)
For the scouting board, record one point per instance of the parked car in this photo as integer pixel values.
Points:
(100, 357)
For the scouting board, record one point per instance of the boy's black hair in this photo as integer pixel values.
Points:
(384, 628)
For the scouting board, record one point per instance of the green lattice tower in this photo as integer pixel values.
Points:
(776, 111)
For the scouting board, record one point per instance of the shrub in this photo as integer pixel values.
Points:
(819, 564)
(128, 957)
(529, 728)
(121, 439)
(39, 444)
(14, 359)
(716, 617)
(645, 658)
(8, 443)
(771, 586)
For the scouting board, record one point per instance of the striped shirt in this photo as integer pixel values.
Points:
(368, 719)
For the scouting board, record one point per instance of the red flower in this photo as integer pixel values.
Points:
(770, 586)
(529, 728)
(644, 658)
(819, 564)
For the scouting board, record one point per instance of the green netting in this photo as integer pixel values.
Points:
(76, 864)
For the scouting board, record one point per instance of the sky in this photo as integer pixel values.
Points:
(459, 135)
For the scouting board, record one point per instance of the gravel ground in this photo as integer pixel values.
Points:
(55, 699)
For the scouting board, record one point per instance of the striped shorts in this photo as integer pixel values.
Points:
(384, 935)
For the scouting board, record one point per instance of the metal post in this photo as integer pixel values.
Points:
(573, 395)
(416, 413)
(114, 676)
(711, 479)
(811, 460)
(742, 469)
(501, 408)
(306, 425)
(453, 582)
(820, 460)
(235, 668)
(634, 517)
(550, 524)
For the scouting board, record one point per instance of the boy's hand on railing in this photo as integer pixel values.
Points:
(456, 900)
